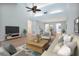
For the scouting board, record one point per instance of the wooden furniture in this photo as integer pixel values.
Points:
(45, 37)
(37, 46)
(12, 36)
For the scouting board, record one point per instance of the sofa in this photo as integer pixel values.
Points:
(8, 49)
(58, 48)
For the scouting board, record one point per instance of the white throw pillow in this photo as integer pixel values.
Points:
(64, 51)
(72, 46)
(66, 38)
(3, 52)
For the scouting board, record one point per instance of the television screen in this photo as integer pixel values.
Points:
(11, 29)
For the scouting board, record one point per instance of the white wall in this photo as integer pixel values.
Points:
(13, 15)
(1, 35)
(0, 26)
(72, 13)
(36, 25)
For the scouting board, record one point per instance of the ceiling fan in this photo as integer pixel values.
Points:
(33, 9)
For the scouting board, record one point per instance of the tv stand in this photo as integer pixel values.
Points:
(12, 36)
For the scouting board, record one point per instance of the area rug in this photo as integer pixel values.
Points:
(26, 51)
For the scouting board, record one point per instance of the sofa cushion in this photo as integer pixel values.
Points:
(3, 52)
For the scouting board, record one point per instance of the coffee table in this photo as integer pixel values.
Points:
(37, 46)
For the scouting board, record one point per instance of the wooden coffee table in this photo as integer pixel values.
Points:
(37, 46)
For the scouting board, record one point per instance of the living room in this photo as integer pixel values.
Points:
(18, 24)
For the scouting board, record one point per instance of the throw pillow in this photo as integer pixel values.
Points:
(67, 39)
(64, 51)
(72, 46)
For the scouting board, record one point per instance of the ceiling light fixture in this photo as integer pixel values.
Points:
(39, 14)
(56, 11)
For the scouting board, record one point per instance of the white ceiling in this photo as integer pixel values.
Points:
(55, 19)
(50, 8)
(40, 5)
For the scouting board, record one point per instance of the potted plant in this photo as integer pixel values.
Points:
(63, 31)
(24, 32)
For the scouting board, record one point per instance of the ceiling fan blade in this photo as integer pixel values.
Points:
(38, 10)
(28, 7)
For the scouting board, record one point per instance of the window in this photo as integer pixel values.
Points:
(29, 26)
(47, 27)
(58, 27)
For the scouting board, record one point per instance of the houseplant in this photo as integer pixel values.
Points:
(24, 32)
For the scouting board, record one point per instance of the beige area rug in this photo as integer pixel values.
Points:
(26, 51)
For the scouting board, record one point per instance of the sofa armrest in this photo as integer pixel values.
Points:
(49, 54)
(44, 53)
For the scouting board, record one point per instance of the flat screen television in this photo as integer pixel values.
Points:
(11, 29)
